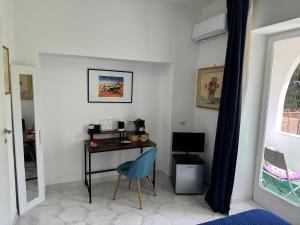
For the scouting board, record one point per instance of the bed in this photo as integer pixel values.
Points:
(251, 217)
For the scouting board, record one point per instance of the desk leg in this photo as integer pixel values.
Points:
(85, 181)
(90, 183)
(154, 169)
(153, 178)
(142, 150)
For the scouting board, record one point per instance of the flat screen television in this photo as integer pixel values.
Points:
(188, 142)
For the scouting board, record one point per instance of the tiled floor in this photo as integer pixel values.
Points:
(68, 204)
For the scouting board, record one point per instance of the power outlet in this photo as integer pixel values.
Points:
(182, 123)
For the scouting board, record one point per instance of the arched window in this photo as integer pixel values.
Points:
(291, 111)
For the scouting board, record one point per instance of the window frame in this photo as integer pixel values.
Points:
(265, 40)
(283, 92)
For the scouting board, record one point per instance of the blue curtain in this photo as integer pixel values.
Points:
(227, 134)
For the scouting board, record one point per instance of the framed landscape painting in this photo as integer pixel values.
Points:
(109, 86)
(209, 87)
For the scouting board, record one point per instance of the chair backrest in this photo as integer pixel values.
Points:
(143, 165)
(275, 158)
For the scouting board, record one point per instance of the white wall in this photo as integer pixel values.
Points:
(249, 127)
(142, 30)
(213, 9)
(7, 11)
(268, 12)
(211, 53)
(285, 55)
(66, 113)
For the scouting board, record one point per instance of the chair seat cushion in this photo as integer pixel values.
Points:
(281, 174)
(251, 217)
(124, 168)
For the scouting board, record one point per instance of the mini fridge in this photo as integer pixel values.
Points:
(187, 174)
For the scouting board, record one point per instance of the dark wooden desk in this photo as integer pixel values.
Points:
(108, 145)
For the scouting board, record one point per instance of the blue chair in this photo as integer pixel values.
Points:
(136, 170)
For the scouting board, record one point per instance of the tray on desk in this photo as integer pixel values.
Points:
(114, 144)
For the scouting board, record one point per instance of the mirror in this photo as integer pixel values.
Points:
(29, 141)
(28, 146)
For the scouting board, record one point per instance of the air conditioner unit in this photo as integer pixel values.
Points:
(209, 28)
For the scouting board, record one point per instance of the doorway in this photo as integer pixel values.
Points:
(281, 168)
(276, 149)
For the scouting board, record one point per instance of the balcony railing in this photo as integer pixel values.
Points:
(291, 122)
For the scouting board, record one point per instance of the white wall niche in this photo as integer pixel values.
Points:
(65, 112)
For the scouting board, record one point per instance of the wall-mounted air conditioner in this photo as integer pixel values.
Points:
(209, 28)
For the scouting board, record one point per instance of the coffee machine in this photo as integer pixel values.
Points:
(93, 129)
(139, 126)
(121, 125)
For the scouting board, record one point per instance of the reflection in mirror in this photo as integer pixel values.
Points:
(29, 143)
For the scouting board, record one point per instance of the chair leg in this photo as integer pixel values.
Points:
(151, 184)
(293, 191)
(117, 186)
(129, 183)
(139, 192)
(295, 194)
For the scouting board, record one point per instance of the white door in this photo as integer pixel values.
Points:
(4, 171)
(11, 164)
(28, 146)
(9, 136)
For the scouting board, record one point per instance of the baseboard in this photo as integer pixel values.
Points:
(109, 177)
(240, 199)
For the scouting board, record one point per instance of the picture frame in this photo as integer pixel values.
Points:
(209, 87)
(7, 85)
(109, 86)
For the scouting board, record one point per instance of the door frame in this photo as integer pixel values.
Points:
(260, 194)
(17, 113)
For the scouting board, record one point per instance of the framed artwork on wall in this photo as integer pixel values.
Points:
(109, 86)
(6, 70)
(209, 86)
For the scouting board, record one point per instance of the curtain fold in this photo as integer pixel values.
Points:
(227, 134)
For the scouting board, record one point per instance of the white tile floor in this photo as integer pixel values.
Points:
(68, 204)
